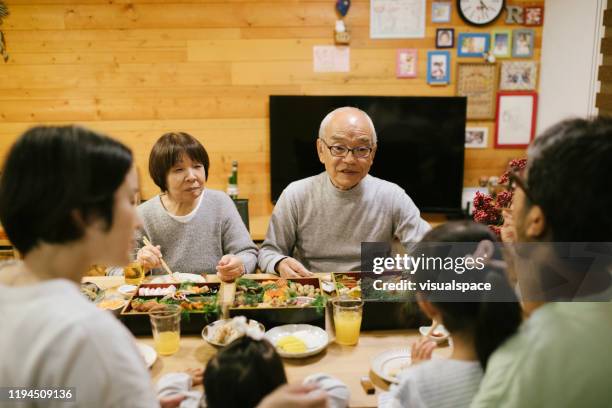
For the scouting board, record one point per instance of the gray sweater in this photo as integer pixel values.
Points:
(198, 245)
(323, 227)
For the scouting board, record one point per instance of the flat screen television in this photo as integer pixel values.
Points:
(420, 143)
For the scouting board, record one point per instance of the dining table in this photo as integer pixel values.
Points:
(347, 363)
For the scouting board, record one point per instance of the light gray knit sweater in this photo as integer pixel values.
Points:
(198, 245)
(323, 227)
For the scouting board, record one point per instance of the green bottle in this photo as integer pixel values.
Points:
(232, 181)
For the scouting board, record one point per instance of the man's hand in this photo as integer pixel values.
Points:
(295, 396)
(291, 268)
(421, 350)
(149, 256)
(230, 267)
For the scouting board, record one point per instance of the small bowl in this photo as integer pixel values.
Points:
(439, 335)
(127, 290)
(113, 304)
(209, 331)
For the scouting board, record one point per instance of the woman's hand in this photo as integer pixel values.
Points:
(421, 350)
(230, 267)
(149, 256)
(196, 374)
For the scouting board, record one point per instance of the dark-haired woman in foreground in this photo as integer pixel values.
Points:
(478, 326)
(67, 202)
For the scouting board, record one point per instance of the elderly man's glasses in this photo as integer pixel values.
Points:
(515, 179)
(360, 152)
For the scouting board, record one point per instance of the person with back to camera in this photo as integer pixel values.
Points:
(67, 201)
(478, 325)
(243, 374)
(560, 357)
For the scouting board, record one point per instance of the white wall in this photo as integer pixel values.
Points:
(570, 57)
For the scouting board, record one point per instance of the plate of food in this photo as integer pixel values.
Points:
(148, 353)
(92, 291)
(298, 340)
(223, 332)
(389, 364)
(113, 303)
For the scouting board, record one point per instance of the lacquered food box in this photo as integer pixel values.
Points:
(274, 302)
(199, 301)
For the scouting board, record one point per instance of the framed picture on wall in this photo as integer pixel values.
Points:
(522, 43)
(518, 76)
(476, 137)
(477, 82)
(516, 117)
(438, 67)
(501, 43)
(440, 12)
(406, 64)
(472, 44)
(533, 15)
(445, 38)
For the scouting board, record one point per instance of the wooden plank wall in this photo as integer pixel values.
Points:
(138, 68)
(604, 97)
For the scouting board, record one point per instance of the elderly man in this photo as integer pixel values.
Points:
(561, 355)
(319, 222)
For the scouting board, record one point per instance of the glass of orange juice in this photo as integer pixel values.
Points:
(166, 327)
(133, 273)
(347, 320)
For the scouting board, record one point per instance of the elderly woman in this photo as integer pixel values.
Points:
(67, 202)
(198, 230)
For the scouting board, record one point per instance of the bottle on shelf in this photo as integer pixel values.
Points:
(232, 181)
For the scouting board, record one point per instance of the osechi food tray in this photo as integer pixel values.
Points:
(382, 309)
(279, 301)
(199, 302)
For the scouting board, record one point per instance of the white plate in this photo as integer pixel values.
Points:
(389, 364)
(316, 339)
(179, 277)
(208, 332)
(148, 354)
(127, 290)
(440, 329)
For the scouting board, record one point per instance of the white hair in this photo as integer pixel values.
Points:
(328, 118)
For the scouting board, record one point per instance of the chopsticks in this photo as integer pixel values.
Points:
(164, 264)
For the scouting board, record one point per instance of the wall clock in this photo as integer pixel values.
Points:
(480, 12)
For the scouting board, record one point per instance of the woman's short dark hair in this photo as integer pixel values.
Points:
(242, 374)
(169, 149)
(495, 315)
(50, 173)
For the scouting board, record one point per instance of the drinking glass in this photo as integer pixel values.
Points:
(347, 320)
(166, 327)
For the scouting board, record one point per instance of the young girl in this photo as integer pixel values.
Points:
(241, 375)
(478, 326)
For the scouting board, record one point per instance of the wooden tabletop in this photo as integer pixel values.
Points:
(348, 363)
